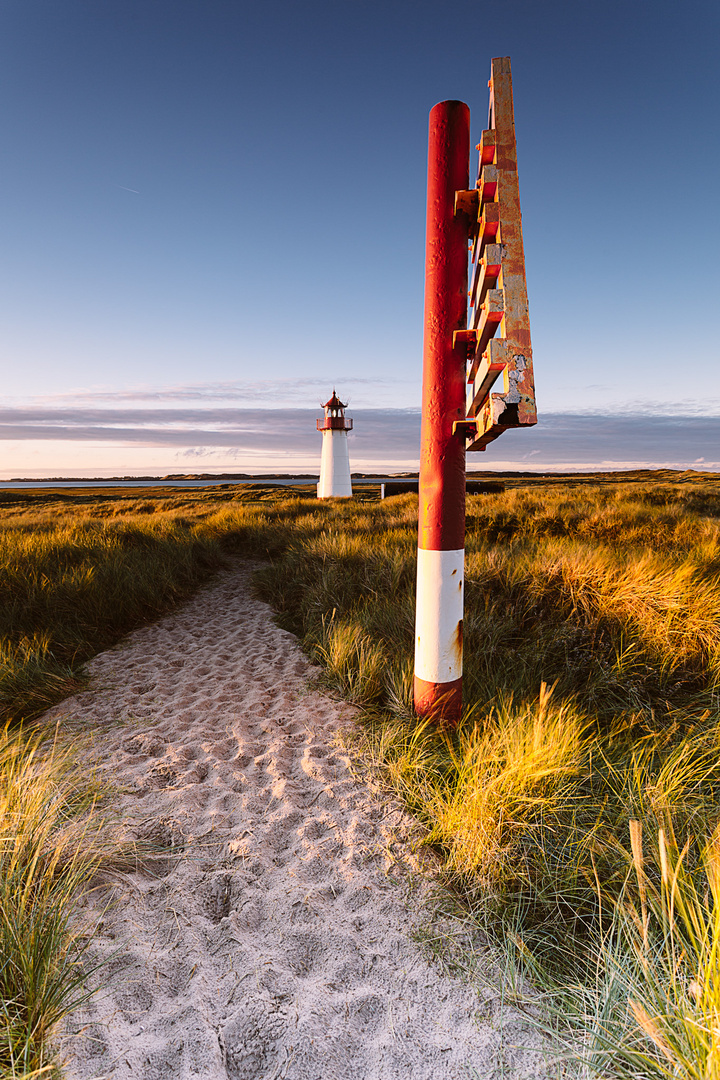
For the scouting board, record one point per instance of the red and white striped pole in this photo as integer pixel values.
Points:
(441, 526)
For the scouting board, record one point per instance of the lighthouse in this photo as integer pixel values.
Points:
(335, 480)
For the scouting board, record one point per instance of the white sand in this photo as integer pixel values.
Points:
(276, 944)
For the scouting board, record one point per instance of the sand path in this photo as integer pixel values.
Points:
(275, 945)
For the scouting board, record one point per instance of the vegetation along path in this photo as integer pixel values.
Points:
(575, 812)
(271, 935)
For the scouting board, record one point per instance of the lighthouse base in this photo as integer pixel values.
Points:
(335, 482)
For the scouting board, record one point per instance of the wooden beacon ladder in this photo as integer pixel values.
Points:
(498, 334)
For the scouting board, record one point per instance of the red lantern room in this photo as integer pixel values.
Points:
(335, 419)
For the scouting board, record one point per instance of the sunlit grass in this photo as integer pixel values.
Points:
(71, 588)
(648, 1004)
(353, 663)
(672, 970)
(611, 595)
(592, 631)
(49, 851)
(516, 770)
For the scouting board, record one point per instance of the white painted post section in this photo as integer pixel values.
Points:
(439, 614)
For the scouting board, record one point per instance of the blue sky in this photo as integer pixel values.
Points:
(214, 211)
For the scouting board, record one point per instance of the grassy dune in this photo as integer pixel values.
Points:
(576, 810)
(79, 569)
(592, 666)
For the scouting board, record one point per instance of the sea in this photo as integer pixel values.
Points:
(308, 481)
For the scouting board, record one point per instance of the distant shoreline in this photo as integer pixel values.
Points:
(189, 481)
(311, 478)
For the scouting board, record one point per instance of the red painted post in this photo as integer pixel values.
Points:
(441, 526)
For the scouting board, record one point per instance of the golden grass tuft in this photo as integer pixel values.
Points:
(652, 1010)
(48, 854)
(517, 768)
(353, 664)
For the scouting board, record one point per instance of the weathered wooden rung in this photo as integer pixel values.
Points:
(486, 146)
(482, 376)
(487, 183)
(488, 317)
(518, 398)
(497, 416)
(495, 354)
(487, 228)
(485, 274)
(482, 441)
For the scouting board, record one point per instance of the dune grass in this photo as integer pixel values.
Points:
(71, 586)
(592, 635)
(592, 664)
(671, 974)
(647, 1002)
(78, 570)
(49, 852)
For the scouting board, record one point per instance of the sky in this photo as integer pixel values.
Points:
(213, 212)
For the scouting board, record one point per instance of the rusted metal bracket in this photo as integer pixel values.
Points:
(498, 290)
(467, 428)
(468, 338)
(467, 202)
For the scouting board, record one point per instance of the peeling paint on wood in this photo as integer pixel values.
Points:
(498, 291)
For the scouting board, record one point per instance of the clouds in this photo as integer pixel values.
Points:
(255, 429)
(382, 438)
(626, 440)
(279, 392)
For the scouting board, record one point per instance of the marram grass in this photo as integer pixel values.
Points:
(648, 1004)
(592, 636)
(48, 854)
(71, 587)
(593, 645)
(672, 971)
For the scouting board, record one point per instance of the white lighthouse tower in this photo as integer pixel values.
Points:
(335, 480)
